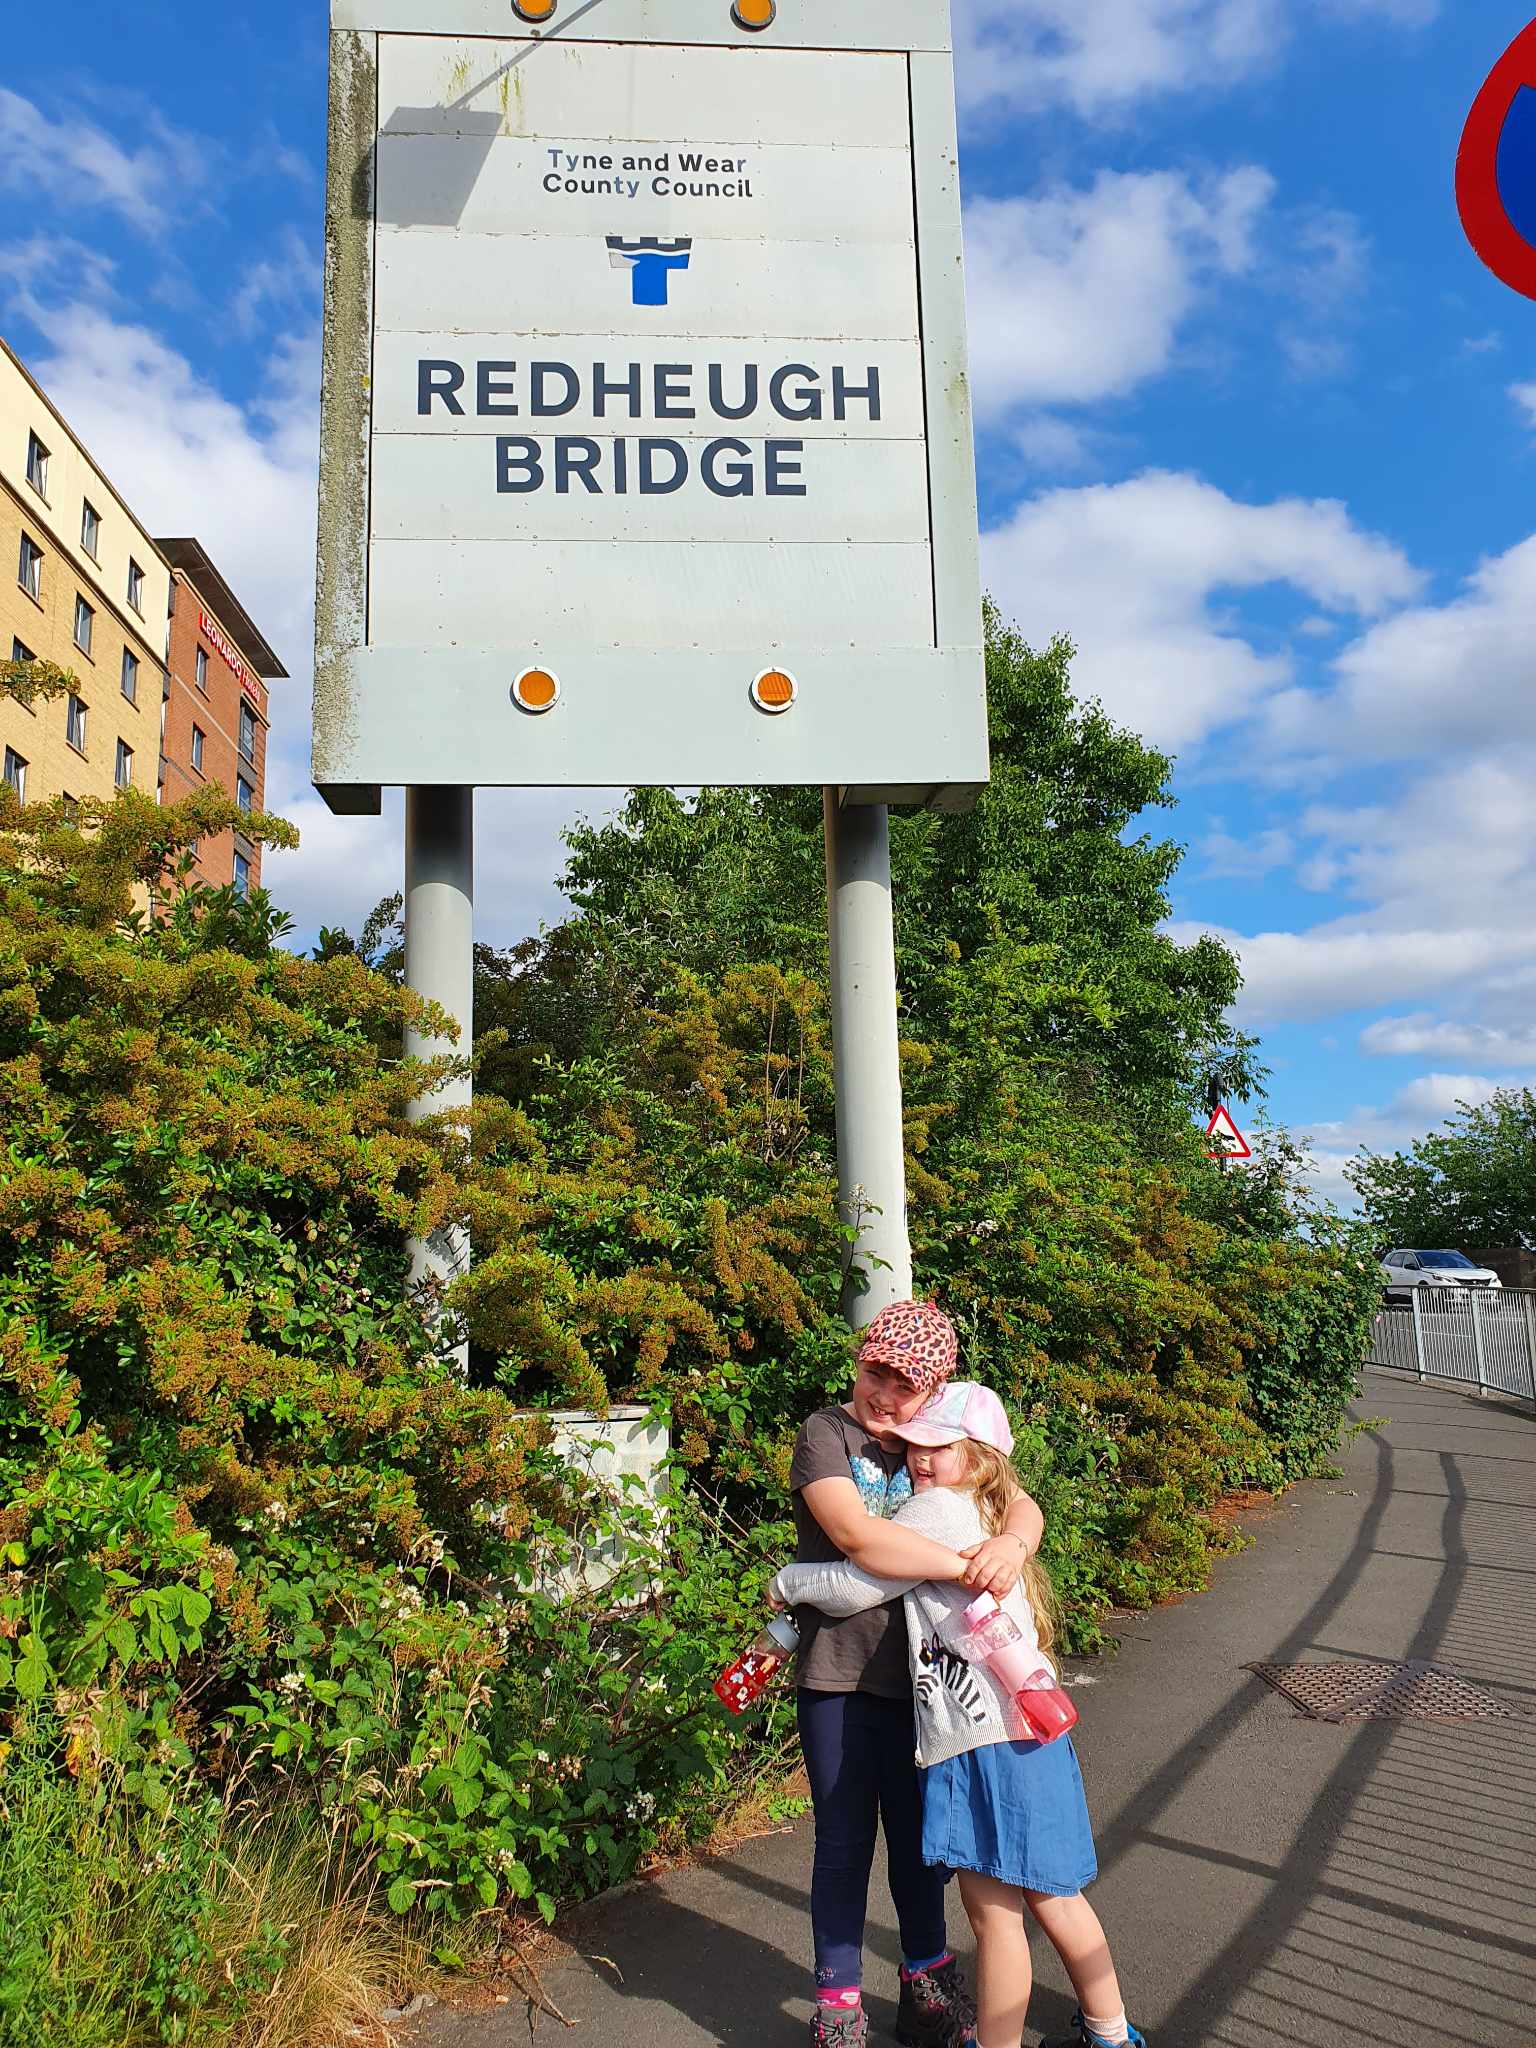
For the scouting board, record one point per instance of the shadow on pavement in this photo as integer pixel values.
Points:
(1407, 1896)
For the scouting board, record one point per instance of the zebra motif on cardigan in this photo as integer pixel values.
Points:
(939, 1666)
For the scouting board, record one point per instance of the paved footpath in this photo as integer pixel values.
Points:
(1266, 1879)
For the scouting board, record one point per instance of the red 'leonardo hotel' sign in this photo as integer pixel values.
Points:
(221, 643)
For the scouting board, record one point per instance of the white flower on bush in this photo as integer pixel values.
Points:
(399, 1600)
(278, 1511)
(292, 1683)
(642, 1806)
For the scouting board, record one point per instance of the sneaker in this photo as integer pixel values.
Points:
(937, 2010)
(1083, 2036)
(831, 2028)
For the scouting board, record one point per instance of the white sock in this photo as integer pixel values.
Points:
(1115, 2030)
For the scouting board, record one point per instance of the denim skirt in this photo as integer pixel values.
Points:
(1014, 1811)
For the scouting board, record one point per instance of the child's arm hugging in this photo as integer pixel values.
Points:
(883, 1549)
(923, 1530)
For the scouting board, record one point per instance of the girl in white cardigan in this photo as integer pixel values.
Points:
(1004, 1812)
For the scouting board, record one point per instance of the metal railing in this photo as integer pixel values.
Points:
(1474, 1336)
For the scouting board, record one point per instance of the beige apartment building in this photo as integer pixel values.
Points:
(81, 584)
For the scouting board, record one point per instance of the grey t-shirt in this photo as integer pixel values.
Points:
(858, 1652)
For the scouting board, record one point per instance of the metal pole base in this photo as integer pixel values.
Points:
(871, 1163)
(440, 965)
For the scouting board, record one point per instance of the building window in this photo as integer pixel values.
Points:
(30, 572)
(37, 465)
(90, 529)
(247, 733)
(242, 875)
(71, 806)
(75, 729)
(165, 705)
(135, 585)
(202, 669)
(85, 622)
(130, 675)
(197, 748)
(245, 796)
(16, 774)
(122, 775)
(20, 651)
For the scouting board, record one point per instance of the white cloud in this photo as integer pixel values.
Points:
(1434, 682)
(1048, 442)
(1079, 294)
(1425, 1036)
(242, 478)
(1222, 855)
(1524, 396)
(1136, 573)
(1444, 867)
(1413, 1112)
(1350, 964)
(76, 164)
(284, 283)
(1103, 56)
(1445, 846)
(1100, 56)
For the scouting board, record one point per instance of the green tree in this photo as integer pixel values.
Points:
(1045, 888)
(1168, 1328)
(1472, 1184)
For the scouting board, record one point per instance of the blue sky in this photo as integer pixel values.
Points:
(1255, 429)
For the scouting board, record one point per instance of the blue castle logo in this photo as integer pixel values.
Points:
(650, 261)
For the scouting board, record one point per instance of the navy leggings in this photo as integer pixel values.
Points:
(858, 1757)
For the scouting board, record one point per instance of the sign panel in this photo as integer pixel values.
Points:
(1496, 168)
(645, 370)
(1224, 1139)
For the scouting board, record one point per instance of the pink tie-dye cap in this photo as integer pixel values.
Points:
(963, 1409)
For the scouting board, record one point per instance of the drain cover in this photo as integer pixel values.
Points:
(1413, 1691)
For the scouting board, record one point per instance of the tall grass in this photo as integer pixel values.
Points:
(121, 1928)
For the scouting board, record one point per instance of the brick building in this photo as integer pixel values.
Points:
(214, 728)
(84, 586)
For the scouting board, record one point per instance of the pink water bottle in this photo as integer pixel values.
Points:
(740, 1683)
(997, 1641)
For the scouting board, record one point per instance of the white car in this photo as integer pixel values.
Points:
(1402, 1271)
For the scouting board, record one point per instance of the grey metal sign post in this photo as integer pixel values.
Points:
(646, 444)
(871, 1159)
(440, 965)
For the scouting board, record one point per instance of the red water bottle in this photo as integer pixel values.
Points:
(741, 1683)
(998, 1642)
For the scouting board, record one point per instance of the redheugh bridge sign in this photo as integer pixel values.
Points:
(646, 451)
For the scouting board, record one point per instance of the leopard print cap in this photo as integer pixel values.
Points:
(914, 1338)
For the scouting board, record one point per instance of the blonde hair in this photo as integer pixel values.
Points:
(994, 1486)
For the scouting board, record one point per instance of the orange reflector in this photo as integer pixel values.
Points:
(535, 690)
(774, 690)
(753, 14)
(534, 10)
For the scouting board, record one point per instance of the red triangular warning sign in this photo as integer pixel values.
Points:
(1227, 1141)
